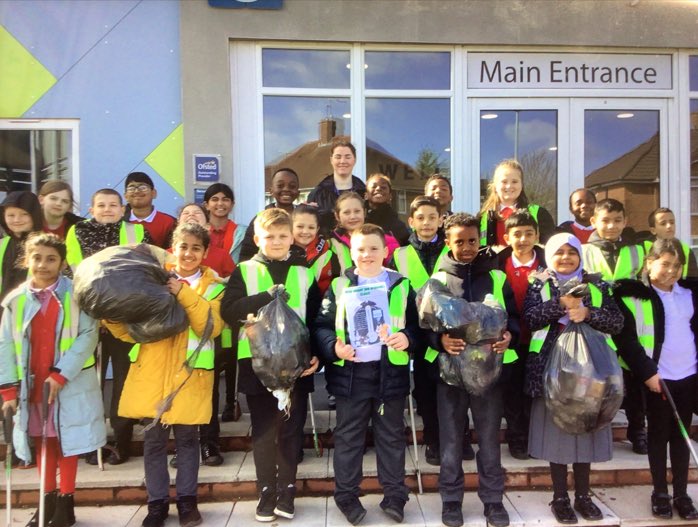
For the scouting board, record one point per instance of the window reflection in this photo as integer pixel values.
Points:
(297, 134)
(405, 70)
(621, 160)
(407, 140)
(694, 172)
(530, 136)
(305, 68)
(693, 72)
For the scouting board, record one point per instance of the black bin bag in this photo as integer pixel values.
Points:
(127, 284)
(583, 382)
(479, 324)
(280, 347)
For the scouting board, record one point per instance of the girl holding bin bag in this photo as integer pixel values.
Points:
(659, 342)
(547, 313)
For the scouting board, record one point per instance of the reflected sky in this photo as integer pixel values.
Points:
(403, 127)
(290, 122)
(606, 137)
(693, 72)
(305, 68)
(537, 130)
(386, 70)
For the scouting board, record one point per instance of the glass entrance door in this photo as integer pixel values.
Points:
(530, 131)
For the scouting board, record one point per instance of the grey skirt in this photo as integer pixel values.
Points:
(549, 442)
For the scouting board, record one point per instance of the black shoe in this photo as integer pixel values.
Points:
(562, 509)
(158, 510)
(518, 450)
(118, 455)
(231, 412)
(50, 499)
(284, 503)
(587, 508)
(394, 508)
(352, 509)
(496, 515)
(331, 402)
(211, 455)
(452, 513)
(64, 515)
(433, 455)
(684, 506)
(173, 461)
(661, 506)
(91, 458)
(640, 446)
(468, 452)
(265, 506)
(188, 511)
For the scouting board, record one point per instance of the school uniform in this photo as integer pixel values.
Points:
(492, 225)
(159, 225)
(617, 260)
(473, 281)
(276, 437)
(372, 390)
(690, 267)
(582, 232)
(659, 336)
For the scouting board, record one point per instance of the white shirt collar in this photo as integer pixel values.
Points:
(517, 263)
(582, 227)
(192, 280)
(147, 219)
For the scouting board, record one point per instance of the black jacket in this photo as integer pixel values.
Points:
(385, 216)
(379, 379)
(325, 194)
(546, 226)
(472, 281)
(236, 305)
(629, 347)
(539, 314)
(428, 252)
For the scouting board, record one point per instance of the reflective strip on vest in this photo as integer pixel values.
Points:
(644, 322)
(408, 264)
(3, 248)
(69, 330)
(343, 255)
(397, 306)
(205, 359)
(628, 265)
(320, 263)
(129, 233)
(257, 279)
(227, 337)
(532, 209)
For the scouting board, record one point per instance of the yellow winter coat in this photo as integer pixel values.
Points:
(158, 370)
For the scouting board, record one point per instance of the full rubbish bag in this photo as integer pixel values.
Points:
(479, 324)
(127, 284)
(280, 346)
(583, 382)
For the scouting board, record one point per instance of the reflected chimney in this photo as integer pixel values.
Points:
(328, 130)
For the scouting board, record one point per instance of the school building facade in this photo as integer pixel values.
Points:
(596, 93)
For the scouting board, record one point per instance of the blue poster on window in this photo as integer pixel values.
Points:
(242, 4)
(207, 168)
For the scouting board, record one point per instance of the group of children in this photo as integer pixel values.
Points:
(224, 272)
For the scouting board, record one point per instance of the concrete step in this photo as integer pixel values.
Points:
(622, 506)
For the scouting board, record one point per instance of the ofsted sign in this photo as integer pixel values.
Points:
(569, 70)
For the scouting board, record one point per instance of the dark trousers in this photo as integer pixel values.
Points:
(487, 417)
(662, 429)
(230, 367)
(353, 417)
(117, 350)
(634, 405)
(157, 476)
(517, 405)
(276, 440)
(425, 381)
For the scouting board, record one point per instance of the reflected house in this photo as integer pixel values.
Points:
(632, 179)
(312, 163)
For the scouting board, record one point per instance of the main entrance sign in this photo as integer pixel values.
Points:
(569, 71)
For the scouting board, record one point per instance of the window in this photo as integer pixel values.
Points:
(32, 152)
(403, 100)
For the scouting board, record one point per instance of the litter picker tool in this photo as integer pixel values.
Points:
(316, 441)
(684, 432)
(414, 444)
(44, 432)
(8, 414)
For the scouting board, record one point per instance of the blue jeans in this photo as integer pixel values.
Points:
(157, 476)
(487, 417)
